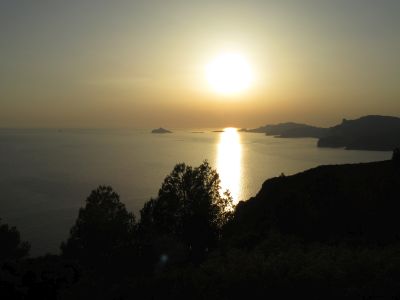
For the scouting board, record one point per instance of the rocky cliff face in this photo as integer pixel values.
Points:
(366, 133)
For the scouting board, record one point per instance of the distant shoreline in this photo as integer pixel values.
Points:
(370, 133)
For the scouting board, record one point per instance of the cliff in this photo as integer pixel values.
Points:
(357, 203)
(365, 133)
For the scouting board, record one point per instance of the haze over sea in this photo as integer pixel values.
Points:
(47, 174)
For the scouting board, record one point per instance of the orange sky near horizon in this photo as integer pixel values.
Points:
(140, 64)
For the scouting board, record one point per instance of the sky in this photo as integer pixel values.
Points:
(140, 64)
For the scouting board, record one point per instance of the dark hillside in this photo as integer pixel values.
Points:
(358, 203)
(331, 232)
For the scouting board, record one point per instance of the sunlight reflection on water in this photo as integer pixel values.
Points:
(229, 155)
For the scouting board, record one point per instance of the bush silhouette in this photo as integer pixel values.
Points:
(189, 209)
(104, 229)
(11, 246)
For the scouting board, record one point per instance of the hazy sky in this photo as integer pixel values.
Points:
(94, 63)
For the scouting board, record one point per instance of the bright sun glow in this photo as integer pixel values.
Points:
(229, 73)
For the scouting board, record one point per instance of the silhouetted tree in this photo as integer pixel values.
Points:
(189, 208)
(104, 229)
(11, 246)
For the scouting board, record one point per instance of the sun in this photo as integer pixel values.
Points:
(229, 73)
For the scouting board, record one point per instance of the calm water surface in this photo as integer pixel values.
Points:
(46, 175)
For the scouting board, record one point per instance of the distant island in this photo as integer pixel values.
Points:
(379, 133)
(160, 130)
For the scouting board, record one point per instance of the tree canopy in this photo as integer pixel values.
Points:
(11, 246)
(189, 208)
(103, 228)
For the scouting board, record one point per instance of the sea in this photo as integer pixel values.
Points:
(46, 174)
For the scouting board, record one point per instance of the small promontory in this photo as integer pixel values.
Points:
(289, 130)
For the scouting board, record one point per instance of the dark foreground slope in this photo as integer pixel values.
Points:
(331, 232)
(328, 233)
(365, 133)
(356, 203)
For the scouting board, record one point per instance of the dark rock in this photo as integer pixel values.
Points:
(380, 133)
(160, 130)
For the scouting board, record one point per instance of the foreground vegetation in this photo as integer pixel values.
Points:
(327, 233)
